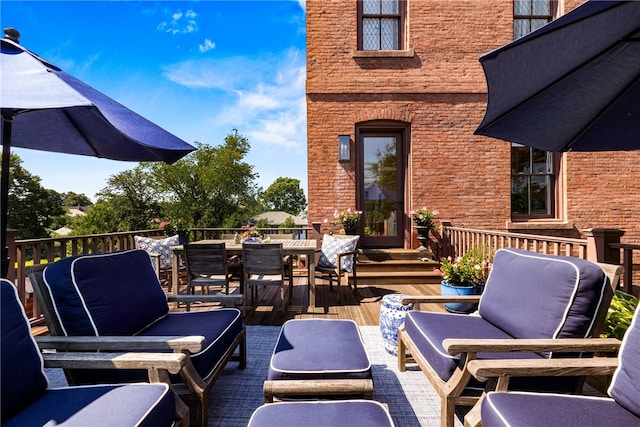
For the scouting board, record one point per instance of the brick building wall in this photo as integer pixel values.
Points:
(441, 92)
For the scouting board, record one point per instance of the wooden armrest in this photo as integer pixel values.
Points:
(235, 299)
(485, 369)
(172, 362)
(427, 299)
(591, 345)
(193, 344)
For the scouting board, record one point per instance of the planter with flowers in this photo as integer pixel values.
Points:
(423, 220)
(464, 275)
(347, 218)
(179, 226)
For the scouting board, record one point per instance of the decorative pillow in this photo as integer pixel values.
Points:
(161, 247)
(332, 246)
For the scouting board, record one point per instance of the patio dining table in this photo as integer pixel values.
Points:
(289, 247)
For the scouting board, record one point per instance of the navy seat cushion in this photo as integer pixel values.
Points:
(319, 349)
(625, 385)
(110, 405)
(353, 413)
(548, 409)
(116, 293)
(531, 295)
(22, 377)
(428, 330)
(219, 328)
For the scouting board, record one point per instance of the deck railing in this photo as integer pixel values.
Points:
(600, 245)
(23, 253)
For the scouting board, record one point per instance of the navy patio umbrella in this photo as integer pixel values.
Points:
(44, 108)
(572, 84)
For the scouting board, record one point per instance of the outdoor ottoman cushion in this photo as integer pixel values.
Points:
(353, 413)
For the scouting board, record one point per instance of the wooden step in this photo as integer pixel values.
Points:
(391, 254)
(397, 265)
(373, 278)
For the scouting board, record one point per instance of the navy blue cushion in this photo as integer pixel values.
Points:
(428, 330)
(542, 409)
(116, 293)
(352, 413)
(219, 328)
(22, 377)
(130, 405)
(319, 349)
(625, 386)
(532, 295)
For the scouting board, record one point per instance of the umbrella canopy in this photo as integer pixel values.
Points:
(571, 85)
(44, 108)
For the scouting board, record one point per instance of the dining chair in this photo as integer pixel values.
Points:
(208, 265)
(338, 258)
(264, 264)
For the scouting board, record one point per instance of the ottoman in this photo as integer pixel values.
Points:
(319, 358)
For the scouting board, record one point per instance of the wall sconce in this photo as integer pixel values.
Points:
(344, 148)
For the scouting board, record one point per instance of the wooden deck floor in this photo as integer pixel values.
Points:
(363, 308)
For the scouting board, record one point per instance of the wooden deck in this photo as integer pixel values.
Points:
(363, 308)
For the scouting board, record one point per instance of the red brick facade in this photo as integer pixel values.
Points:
(440, 92)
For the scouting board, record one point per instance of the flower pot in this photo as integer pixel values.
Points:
(350, 230)
(458, 289)
(423, 236)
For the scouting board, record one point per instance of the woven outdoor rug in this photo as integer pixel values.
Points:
(237, 393)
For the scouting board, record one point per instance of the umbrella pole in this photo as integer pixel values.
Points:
(4, 193)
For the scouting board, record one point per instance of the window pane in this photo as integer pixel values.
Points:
(540, 196)
(541, 7)
(371, 7)
(537, 23)
(380, 185)
(520, 195)
(521, 7)
(389, 34)
(370, 34)
(539, 159)
(390, 7)
(519, 159)
(520, 28)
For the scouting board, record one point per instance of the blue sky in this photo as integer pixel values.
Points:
(198, 69)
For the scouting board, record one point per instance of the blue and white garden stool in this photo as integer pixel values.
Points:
(392, 314)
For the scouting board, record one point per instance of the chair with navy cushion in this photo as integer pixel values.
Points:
(620, 408)
(527, 296)
(118, 294)
(352, 413)
(338, 258)
(27, 399)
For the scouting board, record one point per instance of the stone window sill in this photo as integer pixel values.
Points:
(539, 225)
(409, 53)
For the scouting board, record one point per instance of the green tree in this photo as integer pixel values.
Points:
(285, 195)
(288, 223)
(31, 208)
(75, 199)
(129, 202)
(211, 187)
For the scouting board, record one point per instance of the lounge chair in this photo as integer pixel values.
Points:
(118, 294)
(27, 398)
(527, 296)
(620, 408)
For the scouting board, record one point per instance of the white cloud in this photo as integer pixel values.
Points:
(180, 23)
(207, 45)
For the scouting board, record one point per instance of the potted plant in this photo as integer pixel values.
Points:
(464, 275)
(347, 218)
(179, 226)
(423, 220)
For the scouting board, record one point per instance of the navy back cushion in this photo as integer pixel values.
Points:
(117, 293)
(625, 386)
(532, 295)
(21, 375)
